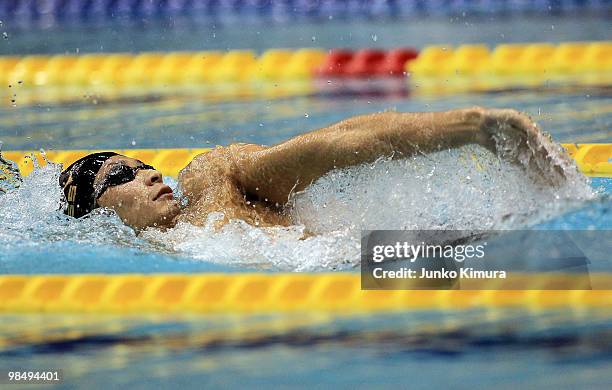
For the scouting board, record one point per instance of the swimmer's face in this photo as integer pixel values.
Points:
(143, 202)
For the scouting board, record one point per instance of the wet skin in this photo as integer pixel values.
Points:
(253, 182)
(142, 202)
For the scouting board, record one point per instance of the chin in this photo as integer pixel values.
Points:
(158, 216)
(170, 211)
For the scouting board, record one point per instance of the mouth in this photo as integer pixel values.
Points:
(164, 193)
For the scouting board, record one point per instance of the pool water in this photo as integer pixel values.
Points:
(470, 349)
(580, 117)
(105, 245)
(152, 33)
(418, 193)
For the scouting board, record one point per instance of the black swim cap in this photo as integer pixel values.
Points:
(77, 181)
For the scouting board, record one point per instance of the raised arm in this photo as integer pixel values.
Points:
(272, 173)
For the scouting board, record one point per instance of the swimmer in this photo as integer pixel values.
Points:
(254, 183)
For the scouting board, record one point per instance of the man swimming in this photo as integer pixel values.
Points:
(254, 183)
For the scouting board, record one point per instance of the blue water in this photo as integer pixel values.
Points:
(174, 122)
(177, 33)
(475, 349)
(181, 123)
(73, 257)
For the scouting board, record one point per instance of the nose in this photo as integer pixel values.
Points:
(153, 177)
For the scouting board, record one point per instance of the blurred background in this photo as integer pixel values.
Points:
(85, 117)
(131, 74)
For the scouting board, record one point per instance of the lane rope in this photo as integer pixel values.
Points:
(265, 293)
(592, 159)
(281, 73)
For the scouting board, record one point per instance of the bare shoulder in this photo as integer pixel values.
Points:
(211, 185)
(214, 168)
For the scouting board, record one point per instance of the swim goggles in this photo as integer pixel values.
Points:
(117, 175)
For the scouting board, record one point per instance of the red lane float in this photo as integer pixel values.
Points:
(334, 65)
(396, 60)
(366, 63)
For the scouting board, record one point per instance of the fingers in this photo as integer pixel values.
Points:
(508, 122)
(495, 118)
(518, 138)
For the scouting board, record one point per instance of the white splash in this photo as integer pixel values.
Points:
(31, 216)
(466, 188)
(37, 196)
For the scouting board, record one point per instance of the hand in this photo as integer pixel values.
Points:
(515, 137)
(503, 124)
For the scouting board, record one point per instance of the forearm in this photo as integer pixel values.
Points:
(272, 173)
(366, 138)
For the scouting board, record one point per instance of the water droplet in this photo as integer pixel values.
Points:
(313, 38)
(374, 37)
(5, 35)
(306, 115)
(133, 142)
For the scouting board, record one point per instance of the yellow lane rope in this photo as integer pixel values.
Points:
(216, 76)
(159, 68)
(540, 60)
(280, 72)
(592, 159)
(267, 293)
(441, 69)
